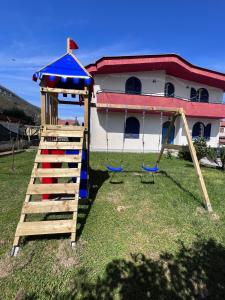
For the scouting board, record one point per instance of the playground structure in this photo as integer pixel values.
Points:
(60, 173)
(63, 152)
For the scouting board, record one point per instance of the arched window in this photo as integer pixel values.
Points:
(164, 132)
(133, 86)
(193, 94)
(132, 128)
(169, 90)
(198, 130)
(207, 131)
(202, 95)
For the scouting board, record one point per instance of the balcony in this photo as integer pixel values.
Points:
(192, 109)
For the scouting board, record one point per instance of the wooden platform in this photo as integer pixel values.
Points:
(53, 137)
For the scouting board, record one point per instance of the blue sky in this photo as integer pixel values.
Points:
(34, 33)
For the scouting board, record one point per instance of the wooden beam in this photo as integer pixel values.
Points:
(48, 206)
(166, 138)
(58, 173)
(70, 102)
(52, 188)
(43, 109)
(44, 227)
(177, 147)
(140, 107)
(86, 112)
(61, 145)
(63, 91)
(196, 164)
(54, 158)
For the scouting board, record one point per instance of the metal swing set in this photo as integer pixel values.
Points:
(175, 113)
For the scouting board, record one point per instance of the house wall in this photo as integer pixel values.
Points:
(153, 83)
(153, 132)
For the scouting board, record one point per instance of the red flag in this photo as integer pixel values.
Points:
(72, 45)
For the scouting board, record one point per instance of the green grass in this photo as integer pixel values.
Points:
(124, 219)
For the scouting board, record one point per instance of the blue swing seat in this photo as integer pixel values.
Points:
(149, 169)
(114, 169)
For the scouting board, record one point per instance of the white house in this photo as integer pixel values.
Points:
(153, 80)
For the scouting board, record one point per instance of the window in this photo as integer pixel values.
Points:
(207, 132)
(200, 130)
(132, 128)
(164, 132)
(193, 94)
(169, 90)
(133, 86)
(202, 95)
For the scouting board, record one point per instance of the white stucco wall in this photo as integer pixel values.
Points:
(153, 132)
(153, 82)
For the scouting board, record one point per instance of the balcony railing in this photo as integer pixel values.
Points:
(158, 95)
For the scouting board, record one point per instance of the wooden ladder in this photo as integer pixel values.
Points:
(65, 194)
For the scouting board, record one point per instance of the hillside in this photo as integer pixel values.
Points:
(9, 100)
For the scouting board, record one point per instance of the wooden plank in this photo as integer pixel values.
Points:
(54, 158)
(63, 91)
(43, 109)
(177, 147)
(52, 188)
(196, 164)
(61, 145)
(61, 172)
(64, 127)
(139, 107)
(62, 133)
(44, 227)
(49, 207)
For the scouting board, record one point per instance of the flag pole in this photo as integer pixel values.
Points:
(68, 46)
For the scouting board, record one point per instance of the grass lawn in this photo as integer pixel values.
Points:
(137, 239)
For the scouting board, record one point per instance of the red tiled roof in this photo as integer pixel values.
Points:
(192, 109)
(173, 64)
(222, 124)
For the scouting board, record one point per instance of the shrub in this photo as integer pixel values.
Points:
(222, 157)
(201, 147)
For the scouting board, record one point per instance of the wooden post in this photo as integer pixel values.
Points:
(166, 138)
(68, 45)
(86, 112)
(196, 164)
(43, 108)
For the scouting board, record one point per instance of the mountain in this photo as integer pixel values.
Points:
(10, 101)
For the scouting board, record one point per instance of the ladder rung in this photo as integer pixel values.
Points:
(51, 158)
(45, 227)
(52, 188)
(60, 145)
(47, 206)
(64, 127)
(62, 133)
(61, 172)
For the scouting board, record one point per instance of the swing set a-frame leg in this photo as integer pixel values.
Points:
(196, 164)
(193, 155)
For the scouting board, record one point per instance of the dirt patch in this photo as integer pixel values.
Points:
(20, 295)
(10, 264)
(67, 257)
(6, 266)
(122, 208)
(114, 197)
(200, 211)
(214, 217)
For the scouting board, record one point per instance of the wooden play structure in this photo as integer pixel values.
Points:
(60, 173)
